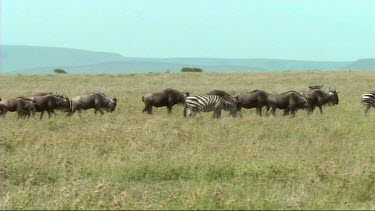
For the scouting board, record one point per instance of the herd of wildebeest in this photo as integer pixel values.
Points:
(215, 101)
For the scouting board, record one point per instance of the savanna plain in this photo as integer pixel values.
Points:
(131, 160)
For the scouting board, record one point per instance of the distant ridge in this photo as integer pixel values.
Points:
(42, 60)
(362, 64)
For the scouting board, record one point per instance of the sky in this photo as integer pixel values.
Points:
(315, 30)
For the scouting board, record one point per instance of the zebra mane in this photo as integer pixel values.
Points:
(227, 102)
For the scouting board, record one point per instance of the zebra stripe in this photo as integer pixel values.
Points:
(205, 103)
(368, 100)
(208, 103)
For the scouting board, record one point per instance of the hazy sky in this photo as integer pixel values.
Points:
(336, 30)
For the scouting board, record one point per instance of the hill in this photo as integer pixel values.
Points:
(20, 59)
(362, 64)
(42, 60)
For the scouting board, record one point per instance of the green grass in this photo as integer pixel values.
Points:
(131, 160)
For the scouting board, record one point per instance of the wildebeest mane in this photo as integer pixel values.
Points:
(172, 91)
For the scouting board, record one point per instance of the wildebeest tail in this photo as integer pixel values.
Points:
(143, 98)
(185, 107)
(70, 105)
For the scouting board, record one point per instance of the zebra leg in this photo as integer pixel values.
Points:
(367, 109)
(268, 112)
(271, 110)
(239, 112)
(217, 113)
(190, 113)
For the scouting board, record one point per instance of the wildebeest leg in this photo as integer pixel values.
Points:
(286, 112)
(19, 114)
(79, 113)
(320, 108)
(28, 115)
(41, 115)
(49, 114)
(259, 111)
(3, 112)
(145, 109)
(312, 109)
(169, 109)
(293, 112)
(71, 112)
(185, 111)
(101, 112)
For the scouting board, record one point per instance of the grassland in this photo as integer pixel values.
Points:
(131, 160)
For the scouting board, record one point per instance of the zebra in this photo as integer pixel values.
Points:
(368, 100)
(208, 103)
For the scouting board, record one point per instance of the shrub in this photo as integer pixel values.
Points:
(59, 71)
(189, 69)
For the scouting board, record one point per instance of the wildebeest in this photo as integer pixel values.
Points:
(318, 98)
(95, 100)
(49, 103)
(254, 99)
(288, 101)
(168, 97)
(49, 93)
(23, 106)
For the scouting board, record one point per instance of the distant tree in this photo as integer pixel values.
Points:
(59, 71)
(189, 69)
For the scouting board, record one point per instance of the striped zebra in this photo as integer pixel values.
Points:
(368, 100)
(207, 103)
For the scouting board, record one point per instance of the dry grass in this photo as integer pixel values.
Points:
(130, 160)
